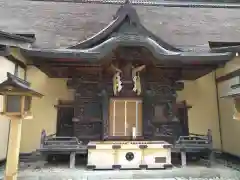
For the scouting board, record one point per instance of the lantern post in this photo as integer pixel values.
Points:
(17, 97)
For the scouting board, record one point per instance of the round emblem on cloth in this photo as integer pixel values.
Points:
(129, 156)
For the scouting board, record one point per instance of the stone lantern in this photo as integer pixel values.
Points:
(17, 97)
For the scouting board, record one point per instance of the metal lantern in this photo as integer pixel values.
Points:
(17, 96)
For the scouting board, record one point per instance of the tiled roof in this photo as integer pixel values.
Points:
(65, 24)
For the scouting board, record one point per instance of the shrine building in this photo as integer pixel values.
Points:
(105, 70)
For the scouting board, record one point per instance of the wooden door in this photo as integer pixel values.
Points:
(124, 115)
(64, 121)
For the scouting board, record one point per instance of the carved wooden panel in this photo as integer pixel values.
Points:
(160, 113)
(148, 127)
(164, 91)
(87, 112)
(87, 90)
(87, 109)
(172, 127)
(168, 131)
(87, 131)
(160, 121)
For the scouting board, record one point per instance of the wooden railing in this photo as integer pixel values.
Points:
(52, 143)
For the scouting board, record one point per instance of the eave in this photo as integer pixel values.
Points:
(16, 40)
(224, 46)
(24, 37)
(9, 40)
(6, 52)
(75, 70)
(162, 55)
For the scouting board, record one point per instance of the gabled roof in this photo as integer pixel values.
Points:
(126, 30)
(123, 14)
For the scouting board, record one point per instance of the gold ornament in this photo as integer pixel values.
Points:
(117, 83)
(136, 79)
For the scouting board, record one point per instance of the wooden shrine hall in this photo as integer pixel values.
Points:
(125, 80)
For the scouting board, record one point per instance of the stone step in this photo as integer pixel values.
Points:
(32, 165)
(32, 157)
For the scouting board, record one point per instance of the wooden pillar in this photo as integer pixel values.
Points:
(13, 149)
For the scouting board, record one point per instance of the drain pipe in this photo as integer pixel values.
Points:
(218, 110)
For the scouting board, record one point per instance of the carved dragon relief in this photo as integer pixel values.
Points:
(164, 96)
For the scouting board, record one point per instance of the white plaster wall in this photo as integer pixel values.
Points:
(5, 66)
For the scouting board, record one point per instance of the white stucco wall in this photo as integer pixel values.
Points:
(5, 66)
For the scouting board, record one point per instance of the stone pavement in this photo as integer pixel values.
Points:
(217, 172)
(191, 172)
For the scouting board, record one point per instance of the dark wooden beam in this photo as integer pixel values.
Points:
(64, 103)
(178, 86)
(66, 64)
(228, 76)
(186, 66)
(93, 75)
(78, 63)
(183, 105)
(15, 61)
(74, 69)
(45, 70)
